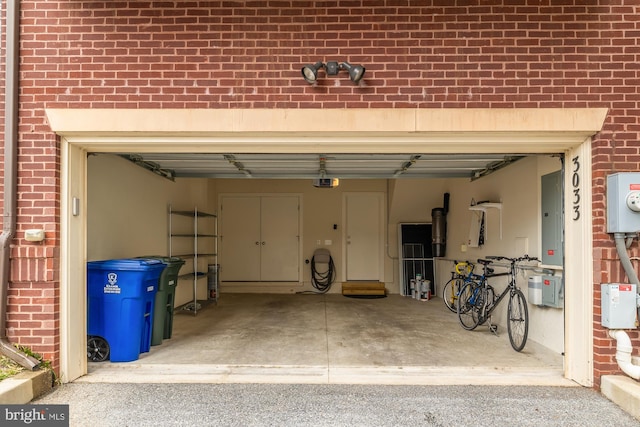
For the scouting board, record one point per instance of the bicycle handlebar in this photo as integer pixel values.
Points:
(513, 260)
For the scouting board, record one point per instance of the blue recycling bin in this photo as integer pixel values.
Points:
(120, 303)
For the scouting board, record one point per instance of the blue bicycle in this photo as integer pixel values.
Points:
(477, 300)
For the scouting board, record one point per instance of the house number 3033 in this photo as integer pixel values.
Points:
(575, 183)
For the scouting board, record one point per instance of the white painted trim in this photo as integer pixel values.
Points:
(73, 237)
(578, 268)
(327, 131)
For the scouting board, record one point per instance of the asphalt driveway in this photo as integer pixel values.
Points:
(121, 405)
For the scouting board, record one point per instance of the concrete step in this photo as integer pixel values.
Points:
(363, 288)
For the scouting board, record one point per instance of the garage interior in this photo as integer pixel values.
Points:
(269, 331)
(113, 208)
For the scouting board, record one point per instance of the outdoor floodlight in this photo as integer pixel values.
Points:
(356, 72)
(310, 72)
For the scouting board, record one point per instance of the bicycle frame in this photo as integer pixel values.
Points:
(478, 301)
(483, 286)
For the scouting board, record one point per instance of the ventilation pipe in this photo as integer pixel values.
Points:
(12, 60)
(623, 342)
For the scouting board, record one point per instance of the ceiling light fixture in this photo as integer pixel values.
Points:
(310, 72)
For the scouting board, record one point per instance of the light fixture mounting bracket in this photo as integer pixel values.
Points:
(332, 68)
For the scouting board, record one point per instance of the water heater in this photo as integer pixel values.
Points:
(438, 231)
(439, 228)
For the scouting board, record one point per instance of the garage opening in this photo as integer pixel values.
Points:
(133, 201)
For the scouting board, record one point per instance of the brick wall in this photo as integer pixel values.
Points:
(418, 54)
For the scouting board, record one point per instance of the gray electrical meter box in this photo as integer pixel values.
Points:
(618, 305)
(623, 202)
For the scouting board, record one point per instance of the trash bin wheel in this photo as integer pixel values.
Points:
(97, 349)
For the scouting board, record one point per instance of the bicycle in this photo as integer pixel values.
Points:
(477, 303)
(473, 294)
(451, 290)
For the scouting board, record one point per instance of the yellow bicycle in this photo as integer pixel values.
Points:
(452, 288)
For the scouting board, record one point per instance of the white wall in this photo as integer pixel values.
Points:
(321, 208)
(127, 211)
(517, 187)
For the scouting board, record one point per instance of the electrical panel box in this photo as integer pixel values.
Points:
(551, 192)
(552, 291)
(623, 202)
(618, 305)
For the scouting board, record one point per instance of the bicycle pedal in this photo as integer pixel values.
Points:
(493, 329)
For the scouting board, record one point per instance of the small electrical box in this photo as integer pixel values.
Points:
(552, 291)
(623, 202)
(618, 305)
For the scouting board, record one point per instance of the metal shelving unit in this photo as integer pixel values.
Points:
(203, 236)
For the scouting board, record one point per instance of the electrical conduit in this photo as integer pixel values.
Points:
(12, 61)
(623, 342)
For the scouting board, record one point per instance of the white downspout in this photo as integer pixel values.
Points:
(623, 342)
(623, 353)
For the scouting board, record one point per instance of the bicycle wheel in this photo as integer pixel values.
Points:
(468, 304)
(518, 324)
(450, 293)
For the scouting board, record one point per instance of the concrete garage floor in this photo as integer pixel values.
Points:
(320, 339)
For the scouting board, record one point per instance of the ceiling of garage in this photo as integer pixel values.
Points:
(299, 166)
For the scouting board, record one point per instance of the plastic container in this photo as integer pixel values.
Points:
(120, 303)
(165, 298)
(535, 290)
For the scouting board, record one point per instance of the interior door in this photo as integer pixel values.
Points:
(363, 236)
(280, 242)
(241, 241)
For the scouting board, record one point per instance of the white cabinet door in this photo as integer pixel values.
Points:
(279, 229)
(260, 239)
(240, 244)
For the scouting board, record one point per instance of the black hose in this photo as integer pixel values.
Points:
(322, 281)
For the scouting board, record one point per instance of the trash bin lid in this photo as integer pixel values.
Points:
(169, 260)
(128, 264)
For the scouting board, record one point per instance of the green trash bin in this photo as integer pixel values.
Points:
(165, 297)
